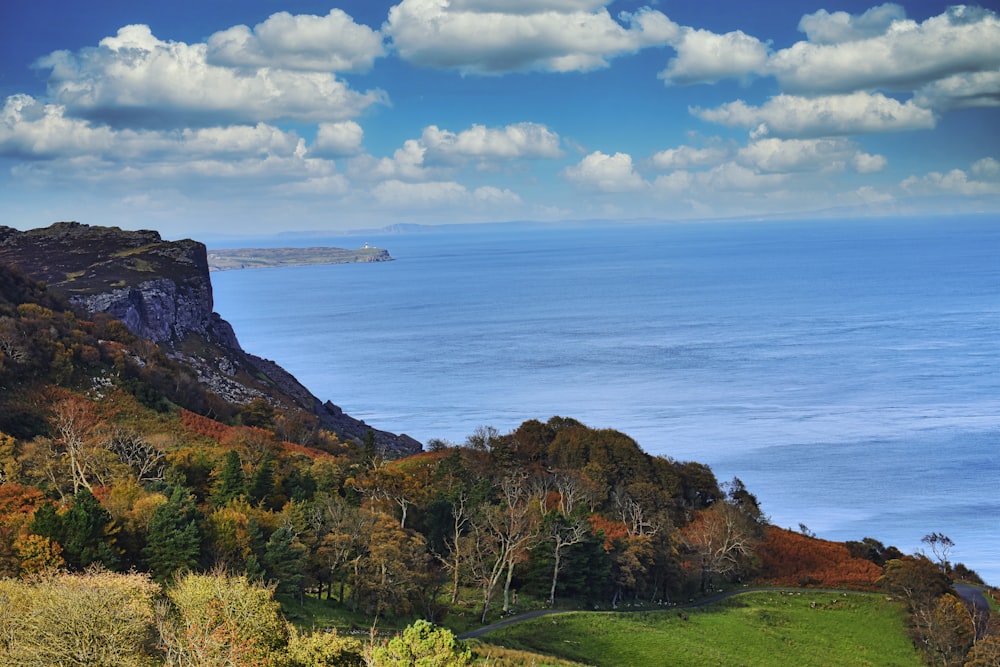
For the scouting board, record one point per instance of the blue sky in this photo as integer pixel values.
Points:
(255, 116)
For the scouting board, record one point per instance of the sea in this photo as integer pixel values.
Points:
(847, 371)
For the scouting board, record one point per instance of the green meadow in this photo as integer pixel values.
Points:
(769, 628)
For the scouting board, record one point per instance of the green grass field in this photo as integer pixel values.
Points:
(772, 628)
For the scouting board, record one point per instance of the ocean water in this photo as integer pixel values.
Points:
(847, 372)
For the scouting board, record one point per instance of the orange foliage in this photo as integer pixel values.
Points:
(205, 427)
(792, 559)
(613, 530)
(17, 499)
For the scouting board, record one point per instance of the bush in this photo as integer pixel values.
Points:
(220, 620)
(95, 618)
(422, 645)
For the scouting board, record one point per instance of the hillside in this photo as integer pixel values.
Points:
(125, 461)
(162, 292)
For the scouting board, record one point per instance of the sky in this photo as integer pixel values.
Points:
(252, 117)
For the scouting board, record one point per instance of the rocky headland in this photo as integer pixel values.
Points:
(162, 291)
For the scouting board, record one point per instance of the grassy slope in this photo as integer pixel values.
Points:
(754, 629)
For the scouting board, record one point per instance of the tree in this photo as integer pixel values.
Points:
(722, 539)
(85, 531)
(284, 558)
(940, 546)
(220, 620)
(915, 579)
(504, 532)
(231, 483)
(262, 483)
(421, 644)
(95, 618)
(174, 539)
(944, 631)
(563, 531)
(323, 648)
(146, 462)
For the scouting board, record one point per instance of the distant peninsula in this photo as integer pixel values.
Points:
(229, 259)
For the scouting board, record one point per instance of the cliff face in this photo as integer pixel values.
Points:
(162, 291)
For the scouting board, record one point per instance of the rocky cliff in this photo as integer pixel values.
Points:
(162, 291)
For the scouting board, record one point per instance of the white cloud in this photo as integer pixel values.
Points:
(976, 89)
(793, 116)
(728, 177)
(982, 179)
(331, 43)
(823, 27)
(135, 79)
(30, 129)
(987, 169)
(865, 163)
(902, 55)
(707, 57)
(436, 194)
(521, 140)
(686, 157)
(406, 164)
(606, 173)
(337, 139)
(558, 36)
(800, 155)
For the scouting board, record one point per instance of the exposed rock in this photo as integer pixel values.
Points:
(162, 291)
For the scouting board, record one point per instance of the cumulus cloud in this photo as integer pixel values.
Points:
(823, 27)
(337, 139)
(331, 43)
(521, 140)
(437, 151)
(606, 173)
(885, 51)
(476, 37)
(800, 155)
(830, 115)
(687, 157)
(135, 79)
(960, 91)
(982, 180)
(32, 130)
(707, 57)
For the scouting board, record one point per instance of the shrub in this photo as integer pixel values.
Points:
(95, 618)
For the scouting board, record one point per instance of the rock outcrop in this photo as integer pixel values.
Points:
(162, 291)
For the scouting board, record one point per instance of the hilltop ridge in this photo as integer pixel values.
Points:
(162, 291)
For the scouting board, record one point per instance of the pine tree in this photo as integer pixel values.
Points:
(85, 531)
(283, 561)
(262, 482)
(232, 482)
(174, 539)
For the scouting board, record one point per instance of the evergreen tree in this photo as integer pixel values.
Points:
(262, 482)
(174, 541)
(232, 482)
(284, 560)
(85, 531)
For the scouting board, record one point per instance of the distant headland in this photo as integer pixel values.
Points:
(229, 259)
